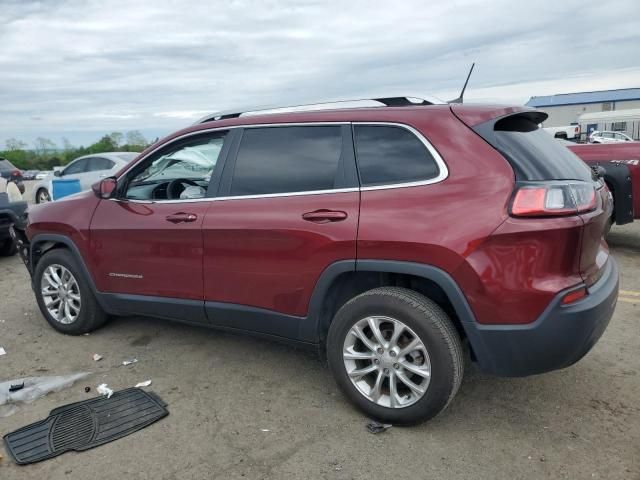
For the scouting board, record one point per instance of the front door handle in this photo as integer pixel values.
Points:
(182, 217)
(325, 216)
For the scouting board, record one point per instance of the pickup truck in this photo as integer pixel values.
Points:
(620, 168)
(567, 132)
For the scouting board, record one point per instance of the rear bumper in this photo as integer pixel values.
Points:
(561, 336)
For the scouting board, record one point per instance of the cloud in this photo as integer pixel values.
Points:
(87, 67)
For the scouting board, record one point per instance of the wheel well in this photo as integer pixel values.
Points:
(350, 284)
(39, 249)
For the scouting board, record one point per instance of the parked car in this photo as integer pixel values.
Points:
(620, 168)
(567, 132)
(87, 169)
(386, 237)
(609, 137)
(12, 211)
(29, 174)
(43, 174)
(11, 173)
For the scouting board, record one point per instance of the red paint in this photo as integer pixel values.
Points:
(628, 152)
(263, 253)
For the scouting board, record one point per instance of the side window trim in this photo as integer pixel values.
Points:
(443, 171)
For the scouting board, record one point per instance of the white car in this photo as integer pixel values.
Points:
(89, 169)
(609, 137)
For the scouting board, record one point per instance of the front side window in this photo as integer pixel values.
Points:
(392, 155)
(287, 160)
(182, 171)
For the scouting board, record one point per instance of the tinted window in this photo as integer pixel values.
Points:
(287, 159)
(79, 166)
(534, 154)
(389, 155)
(99, 163)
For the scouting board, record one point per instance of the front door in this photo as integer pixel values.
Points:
(148, 241)
(288, 208)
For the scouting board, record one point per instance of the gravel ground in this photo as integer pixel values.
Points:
(247, 408)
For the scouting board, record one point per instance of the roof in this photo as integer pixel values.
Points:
(612, 115)
(585, 97)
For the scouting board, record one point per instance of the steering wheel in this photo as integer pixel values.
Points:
(172, 192)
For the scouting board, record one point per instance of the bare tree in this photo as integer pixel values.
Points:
(43, 146)
(136, 139)
(116, 138)
(13, 144)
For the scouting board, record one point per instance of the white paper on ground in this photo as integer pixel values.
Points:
(104, 390)
(143, 384)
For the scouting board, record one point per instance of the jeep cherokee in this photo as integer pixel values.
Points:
(389, 236)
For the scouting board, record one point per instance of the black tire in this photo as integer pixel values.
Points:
(433, 327)
(43, 192)
(91, 315)
(8, 248)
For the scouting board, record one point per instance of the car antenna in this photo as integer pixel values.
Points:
(460, 98)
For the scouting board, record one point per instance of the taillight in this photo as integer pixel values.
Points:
(15, 173)
(553, 199)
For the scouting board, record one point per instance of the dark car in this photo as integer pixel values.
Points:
(11, 173)
(12, 212)
(386, 237)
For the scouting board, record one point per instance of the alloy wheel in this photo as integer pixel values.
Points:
(61, 294)
(386, 361)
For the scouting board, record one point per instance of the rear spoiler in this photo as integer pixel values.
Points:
(473, 115)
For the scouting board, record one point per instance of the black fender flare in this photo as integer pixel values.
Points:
(618, 178)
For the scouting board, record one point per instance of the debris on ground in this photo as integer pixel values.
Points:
(129, 362)
(104, 390)
(265, 430)
(97, 357)
(375, 427)
(16, 386)
(146, 383)
(32, 389)
(87, 389)
(2, 351)
(128, 411)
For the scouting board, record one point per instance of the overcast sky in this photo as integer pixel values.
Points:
(80, 68)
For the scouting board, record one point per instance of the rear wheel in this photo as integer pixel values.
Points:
(396, 355)
(64, 296)
(43, 196)
(8, 248)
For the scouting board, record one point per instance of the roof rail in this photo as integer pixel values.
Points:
(387, 101)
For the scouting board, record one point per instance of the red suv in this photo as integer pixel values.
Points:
(392, 238)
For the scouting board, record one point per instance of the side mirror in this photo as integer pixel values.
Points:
(105, 188)
(57, 173)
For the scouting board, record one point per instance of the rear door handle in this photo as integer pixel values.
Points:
(182, 217)
(325, 216)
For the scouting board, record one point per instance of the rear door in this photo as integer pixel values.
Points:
(286, 210)
(97, 168)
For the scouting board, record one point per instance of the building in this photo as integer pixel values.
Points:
(566, 108)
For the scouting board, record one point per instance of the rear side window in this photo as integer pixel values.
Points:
(389, 155)
(287, 160)
(99, 163)
(534, 154)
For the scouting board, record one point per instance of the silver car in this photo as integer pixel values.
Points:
(89, 169)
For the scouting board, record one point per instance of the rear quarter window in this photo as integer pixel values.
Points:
(533, 154)
(389, 155)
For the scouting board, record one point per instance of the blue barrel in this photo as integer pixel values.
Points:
(64, 187)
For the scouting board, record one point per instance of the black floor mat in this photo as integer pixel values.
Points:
(84, 425)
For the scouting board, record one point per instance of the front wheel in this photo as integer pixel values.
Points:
(396, 355)
(64, 296)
